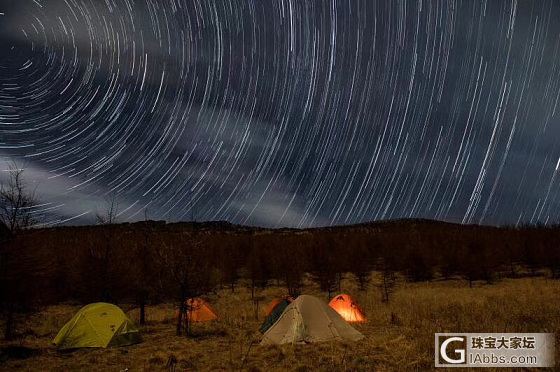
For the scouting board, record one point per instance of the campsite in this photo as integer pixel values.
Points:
(244, 281)
(398, 335)
(279, 185)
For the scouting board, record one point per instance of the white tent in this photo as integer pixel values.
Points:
(307, 320)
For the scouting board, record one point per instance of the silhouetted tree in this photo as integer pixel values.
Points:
(325, 271)
(18, 264)
(360, 258)
(187, 265)
(257, 268)
(110, 236)
(417, 266)
(232, 257)
(144, 275)
(289, 258)
(387, 278)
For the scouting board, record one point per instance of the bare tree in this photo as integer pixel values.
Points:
(111, 211)
(257, 268)
(388, 277)
(144, 273)
(231, 262)
(108, 217)
(17, 204)
(17, 201)
(186, 264)
(289, 256)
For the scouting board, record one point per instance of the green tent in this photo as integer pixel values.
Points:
(274, 314)
(97, 325)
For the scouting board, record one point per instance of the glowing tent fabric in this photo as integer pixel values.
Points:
(97, 325)
(276, 308)
(309, 320)
(277, 301)
(198, 311)
(348, 308)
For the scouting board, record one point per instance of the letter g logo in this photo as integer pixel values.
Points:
(461, 352)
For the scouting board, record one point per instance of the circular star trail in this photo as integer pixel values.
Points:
(285, 113)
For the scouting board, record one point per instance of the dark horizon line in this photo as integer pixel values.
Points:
(352, 225)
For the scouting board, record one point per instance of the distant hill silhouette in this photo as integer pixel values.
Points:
(225, 226)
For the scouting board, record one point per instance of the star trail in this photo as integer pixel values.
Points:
(285, 113)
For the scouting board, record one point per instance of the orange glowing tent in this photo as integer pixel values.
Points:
(275, 309)
(198, 311)
(277, 302)
(348, 308)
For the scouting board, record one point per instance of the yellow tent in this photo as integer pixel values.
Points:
(97, 325)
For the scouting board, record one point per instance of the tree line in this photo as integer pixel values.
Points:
(149, 262)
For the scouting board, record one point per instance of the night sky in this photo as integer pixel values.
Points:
(284, 113)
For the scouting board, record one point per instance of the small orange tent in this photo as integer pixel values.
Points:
(198, 311)
(275, 309)
(276, 302)
(348, 308)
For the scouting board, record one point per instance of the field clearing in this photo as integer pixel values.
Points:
(399, 336)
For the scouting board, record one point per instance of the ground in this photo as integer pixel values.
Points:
(399, 336)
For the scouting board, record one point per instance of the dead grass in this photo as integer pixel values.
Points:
(399, 335)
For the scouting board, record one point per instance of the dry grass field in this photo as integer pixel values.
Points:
(399, 336)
